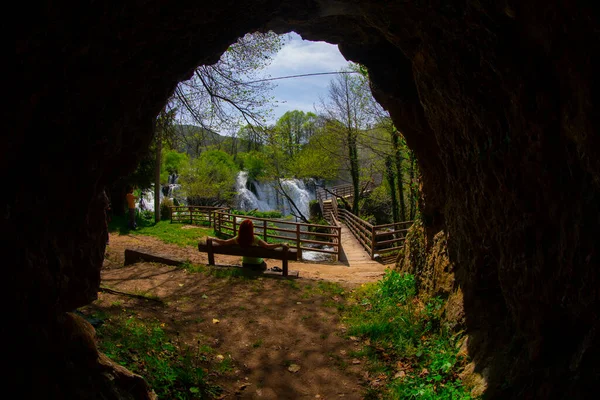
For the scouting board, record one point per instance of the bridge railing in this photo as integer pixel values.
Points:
(296, 234)
(383, 240)
(202, 215)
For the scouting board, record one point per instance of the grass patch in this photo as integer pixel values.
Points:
(172, 369)
(405, 341)
(163, 230)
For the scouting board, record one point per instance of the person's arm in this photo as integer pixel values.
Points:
(224, 241)
(266, 245)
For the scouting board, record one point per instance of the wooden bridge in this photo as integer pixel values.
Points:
(346, 238)
(360, 239)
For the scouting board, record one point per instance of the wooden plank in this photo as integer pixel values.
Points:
(253, 251)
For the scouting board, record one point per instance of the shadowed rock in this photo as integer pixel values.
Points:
(497, 99)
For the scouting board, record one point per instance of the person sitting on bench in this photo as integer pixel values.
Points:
(246, 238)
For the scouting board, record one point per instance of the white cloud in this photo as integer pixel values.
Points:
(299, 56)
(303, 57)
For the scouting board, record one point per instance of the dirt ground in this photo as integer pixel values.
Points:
(282, 337)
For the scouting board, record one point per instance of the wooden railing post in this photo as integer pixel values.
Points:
(234, 226)
(339, 242)
(373, 242)
(298, 242)
(265, 230)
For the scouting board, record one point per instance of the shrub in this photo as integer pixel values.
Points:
(165, 211)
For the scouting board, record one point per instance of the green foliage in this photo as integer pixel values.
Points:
(173, 162)
(210, 177)
(143, 176)
(377, 204)
(403, 331)
(165, 211)
(316, 159)
(172, 369)
(293, 129)
(255, 163)
(259, 214)
(147, 216)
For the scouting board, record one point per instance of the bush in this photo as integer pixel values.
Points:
(165, 211)
(259, 214)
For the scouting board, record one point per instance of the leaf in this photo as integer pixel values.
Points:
(294, 368)
(204, 296)
(215, 321)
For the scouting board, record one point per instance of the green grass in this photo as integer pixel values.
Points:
(164, 230)
(172, 369)
(400, 330)
(258, 214)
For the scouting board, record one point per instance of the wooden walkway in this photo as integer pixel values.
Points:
(353, 253)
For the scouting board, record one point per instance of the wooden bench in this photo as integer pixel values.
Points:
(234, 250)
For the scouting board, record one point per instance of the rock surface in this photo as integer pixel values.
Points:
(499, 101)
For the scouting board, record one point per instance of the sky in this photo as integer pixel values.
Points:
(302, 57)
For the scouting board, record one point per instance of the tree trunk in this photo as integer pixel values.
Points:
(354, 170)
(399, 177)
(389, 174)
(413, 191)
(157, 178)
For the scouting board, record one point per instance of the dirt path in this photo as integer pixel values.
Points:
(356, 270)
(265, 325)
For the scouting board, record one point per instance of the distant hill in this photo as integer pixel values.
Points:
(193, 139)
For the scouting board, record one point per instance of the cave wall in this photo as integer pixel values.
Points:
(497, 99)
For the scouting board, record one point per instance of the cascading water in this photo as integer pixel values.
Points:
(146, 201)
(246, 199)
(265, 196)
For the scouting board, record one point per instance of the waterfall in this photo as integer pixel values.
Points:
(265, 196)
(246, 199)
(146, 200)
(170, 190)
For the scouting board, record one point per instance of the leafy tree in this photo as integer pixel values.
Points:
(294, 128)
(255, 163)
(210, 179)
(316, 159)
(251, 138)
(173, 163)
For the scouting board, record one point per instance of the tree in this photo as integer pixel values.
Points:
(294, 129)
(173, 163)
(226, 95)
(348, 100)
(210, 179)
(163, 131)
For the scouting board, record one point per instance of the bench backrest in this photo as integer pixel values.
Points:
(253, 251)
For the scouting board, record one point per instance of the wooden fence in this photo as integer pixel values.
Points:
(202, 215)
(382, 240)
(296, 234)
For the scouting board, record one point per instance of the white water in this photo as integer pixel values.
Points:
(146, 201)
(267, 197)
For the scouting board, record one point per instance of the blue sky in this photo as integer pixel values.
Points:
(302, 57)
